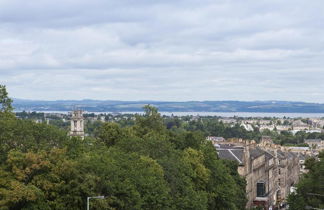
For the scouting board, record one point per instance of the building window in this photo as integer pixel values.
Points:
(279, 171)
(261, 189)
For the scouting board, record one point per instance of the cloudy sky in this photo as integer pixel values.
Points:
(163, 49)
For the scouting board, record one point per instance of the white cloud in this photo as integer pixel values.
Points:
(163, 50)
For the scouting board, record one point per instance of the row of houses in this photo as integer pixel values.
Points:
(280, 128)
(270, 171)
(279, 125)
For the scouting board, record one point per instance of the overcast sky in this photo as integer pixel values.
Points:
(175, 50)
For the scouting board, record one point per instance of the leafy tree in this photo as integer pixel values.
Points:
(197, 179)
(223, 188)
(129, 181)
(151, 121)
(310, 188)
(27, 135)
(39, 180)
(110, 133)
(5, 101)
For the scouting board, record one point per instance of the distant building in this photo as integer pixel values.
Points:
(102, 118)
(302, 159)
(228, 120)
(298, 123)
(266, 141)
(215, 139)
(317, 144)
(77, 124)
(283, 128)
(314, 131)
(247, 127)
(269, 127)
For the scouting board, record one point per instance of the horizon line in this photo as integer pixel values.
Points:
(147, 100)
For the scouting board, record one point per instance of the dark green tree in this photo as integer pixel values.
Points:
(5, 101)
(309, 193)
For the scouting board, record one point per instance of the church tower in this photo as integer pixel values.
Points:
(77, 124)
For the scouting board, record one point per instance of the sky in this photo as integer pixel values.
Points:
(164, 50)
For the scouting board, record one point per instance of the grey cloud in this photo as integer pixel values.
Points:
(163, 50)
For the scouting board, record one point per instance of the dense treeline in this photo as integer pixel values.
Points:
(143, 166)
(309, 193)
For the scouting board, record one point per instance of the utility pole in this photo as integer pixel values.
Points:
(95, 197)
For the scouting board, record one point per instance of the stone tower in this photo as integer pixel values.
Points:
(77, 124)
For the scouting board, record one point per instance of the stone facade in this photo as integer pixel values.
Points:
(270, 171)
(77, 124)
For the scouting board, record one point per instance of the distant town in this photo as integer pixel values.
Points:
(286, 124)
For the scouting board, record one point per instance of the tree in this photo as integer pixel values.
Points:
(40, 180)
(26, 135)
(310, 187)
(5, 101)
(128, 180)
(151, 121)
(110, 133)
(226, 190)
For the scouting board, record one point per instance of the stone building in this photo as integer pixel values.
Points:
(288, 172)
(215, 139)
(316, 144)
(77, 124)
(269, 171)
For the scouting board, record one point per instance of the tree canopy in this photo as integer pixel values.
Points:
(139, 166)
(309, 193)
(5, 101)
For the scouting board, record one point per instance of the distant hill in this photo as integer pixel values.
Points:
(188, 106)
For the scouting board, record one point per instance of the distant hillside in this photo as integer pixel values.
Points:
(189, 106)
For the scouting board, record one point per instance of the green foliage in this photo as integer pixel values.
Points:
(142, 166)
(26, 135)
(310, 187)
(5, 101)
(90, 127)
(151, 121)
(110, 133)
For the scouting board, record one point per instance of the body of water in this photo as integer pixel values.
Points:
(220, 114)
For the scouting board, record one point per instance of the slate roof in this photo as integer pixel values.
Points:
(268, 155)
(292, 155)
(231, 152)
(312, 140)
(281, 154)
(238, 154)
(227, 155)
(302, 157)
(229, 146)
(256, 152)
